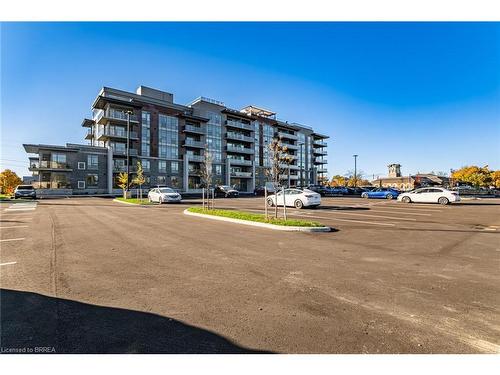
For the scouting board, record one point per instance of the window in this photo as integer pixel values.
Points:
(81, 184)
(214, 142)
(145, 165)
(145, 133)
(217, 169)
(162, 180)
(92, 180)
(168, 138)
(162, 166)
(59, 158)
(174, 167)
(92, 162)
(81, 165)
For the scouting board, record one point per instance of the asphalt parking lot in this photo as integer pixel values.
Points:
(89, 275)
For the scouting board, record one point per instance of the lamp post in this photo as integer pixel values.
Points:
(355, 171)
(128, 112)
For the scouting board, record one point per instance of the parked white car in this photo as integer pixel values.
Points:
(164, 195)
(429, 195)
(295, 198)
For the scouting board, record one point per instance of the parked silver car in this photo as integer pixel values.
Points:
(164, 195)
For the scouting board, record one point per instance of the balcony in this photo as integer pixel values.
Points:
(194, 172)
(320, 151)
(320, 161)
(103, 116)
(240, 162)
(292, 167)
(132, 152)
(198, 158)
(241, 174)
(239, 125)
(241, 150)
(191, 143)
(319, 143)
(287, 136)
(290, 146)
(118, 133)
(89, 135)
(46, 165)
(123, 168)
(194, 129)
(239, 137)
(322, 170)
(292, 177)
(52, 185)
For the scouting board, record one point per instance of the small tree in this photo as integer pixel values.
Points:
(123, 183)
(206, 174)
(278, 160)
(8, 181)
(139, 179)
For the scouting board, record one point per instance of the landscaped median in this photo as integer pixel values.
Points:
(134, 201)
(258, 220)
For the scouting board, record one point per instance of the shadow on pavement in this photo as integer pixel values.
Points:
(30, 320)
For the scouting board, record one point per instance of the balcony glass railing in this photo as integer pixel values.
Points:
(190, 142)
(49, 165)
(240, 125)
(245, 150)
(132, 152)
(239, 136)
(51, 185)
(239, 162)
(287, 135)
(115, 132)
(241, 174)
(194, 129)
(194, 157)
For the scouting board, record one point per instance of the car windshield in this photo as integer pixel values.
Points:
(166, 190)
(25, 187)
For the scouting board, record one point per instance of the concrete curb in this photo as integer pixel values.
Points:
(261, 225)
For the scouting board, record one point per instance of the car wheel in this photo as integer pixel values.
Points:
(443, 201)
(270, 202)
(298, 204)
(389, 196)
(406, 200)
(364, 195)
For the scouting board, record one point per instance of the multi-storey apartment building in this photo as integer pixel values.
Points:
(170, 140)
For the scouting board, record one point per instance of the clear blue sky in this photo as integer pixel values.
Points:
(425, 95)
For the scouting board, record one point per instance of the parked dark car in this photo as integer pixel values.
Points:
(226, 191)
(338, 190)
(355, 191)
(25, 191)
(320, 189)
(260, 190)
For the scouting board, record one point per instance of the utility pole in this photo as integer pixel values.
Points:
(355, 171)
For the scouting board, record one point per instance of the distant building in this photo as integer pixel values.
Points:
(396, 180)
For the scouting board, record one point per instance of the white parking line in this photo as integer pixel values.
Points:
(401, 212)
(377, 216)
(8, 263)
(12, 239)
(15, 226)
(19, 209)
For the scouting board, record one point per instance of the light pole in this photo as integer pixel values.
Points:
(128, 112)
(355, 171)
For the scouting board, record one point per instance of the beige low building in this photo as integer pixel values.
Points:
(395, 180)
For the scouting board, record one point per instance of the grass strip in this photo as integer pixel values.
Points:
(144, 201)
(260, 218)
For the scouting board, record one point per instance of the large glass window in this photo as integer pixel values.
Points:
(168, 142)
(257, 142)
(162, 166)
(267, 136)
(146, 133)
(92, 161)
(214, 132)
(146, 166)
(174, 167)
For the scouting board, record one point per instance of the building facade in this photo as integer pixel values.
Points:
(397, 181)
(170, 140)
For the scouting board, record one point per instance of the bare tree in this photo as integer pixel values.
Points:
(278, 161)
(206, 174)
